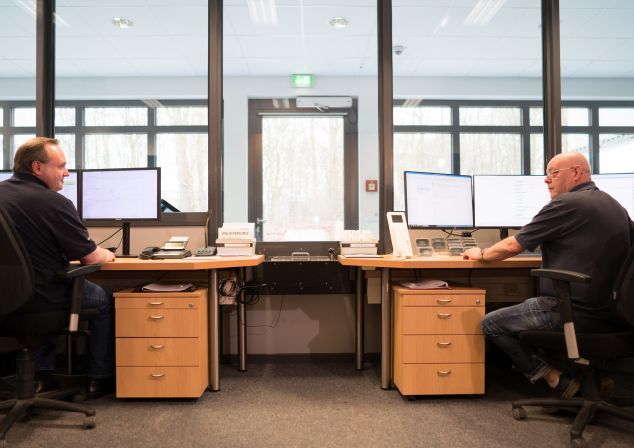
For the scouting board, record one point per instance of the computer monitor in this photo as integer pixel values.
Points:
(434, 200)
(507, 201)
(70, 189)
(125, 195)
(619, 186)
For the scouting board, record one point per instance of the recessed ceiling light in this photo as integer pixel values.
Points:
(120, 22)
(338, 22)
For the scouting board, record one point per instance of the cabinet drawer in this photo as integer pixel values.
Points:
(442, 320)
(443, 348)
(161, 382)
(158, 351)
(148, 323)
(161, 302)
(439, 379)
(442, 300)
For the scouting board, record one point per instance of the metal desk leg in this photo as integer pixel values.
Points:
(358, 340)
(214, 331)
(386, 329)
(242, 326)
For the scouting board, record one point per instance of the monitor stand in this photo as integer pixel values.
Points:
(504, 233)
(125, 238)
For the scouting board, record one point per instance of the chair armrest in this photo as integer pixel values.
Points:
(561, 281)
(76, 274)
(561, 274)
(75, 270)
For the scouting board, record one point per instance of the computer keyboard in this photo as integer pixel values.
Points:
(454, 246)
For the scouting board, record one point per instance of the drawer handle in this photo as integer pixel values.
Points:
(156, 303)
(443, 372)
(444, 315)
(157, 347)
(157, 317)
(157, 375)
(441, 301)
(443, 344)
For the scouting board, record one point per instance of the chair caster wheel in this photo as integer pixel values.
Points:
(519, 413)
(577, 442)
(89, 422)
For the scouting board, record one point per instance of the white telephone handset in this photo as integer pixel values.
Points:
(399, 233)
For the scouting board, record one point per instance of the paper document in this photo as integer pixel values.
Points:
(426, 284)
(167, 287)
(362, 256)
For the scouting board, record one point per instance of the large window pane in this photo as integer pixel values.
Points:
(174, 116)
(67, 143)
(616, 116)
(115, 151)
(115, 116)
(490, 116)
(302, 170)
(569, 142)
(616, 153)
(183, 162)
(428, 115)
(490, 154)
(419, 152)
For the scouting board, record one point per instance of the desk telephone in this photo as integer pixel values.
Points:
(172, 248)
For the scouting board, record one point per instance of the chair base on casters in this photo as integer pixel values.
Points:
(27, 400)
(586, 407)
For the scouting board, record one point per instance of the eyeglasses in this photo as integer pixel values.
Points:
(551, 174)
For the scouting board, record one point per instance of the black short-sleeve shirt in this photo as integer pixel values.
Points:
(583, 230)
(52, 232)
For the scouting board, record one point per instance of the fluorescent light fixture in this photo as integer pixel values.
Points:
(339, 22)
(483, 12)
(29, 7)
(263, 12)
(122, 23)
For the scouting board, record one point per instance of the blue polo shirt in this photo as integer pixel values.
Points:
(587, 231)
(52, 233)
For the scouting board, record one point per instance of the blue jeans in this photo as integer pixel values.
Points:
(100, 345)
(503, 326)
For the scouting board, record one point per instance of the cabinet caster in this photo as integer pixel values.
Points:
(577, 442)
(89, 422)
(519, 413)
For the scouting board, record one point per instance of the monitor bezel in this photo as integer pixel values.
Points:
(436, 227)
(158, 190)
(473, 192)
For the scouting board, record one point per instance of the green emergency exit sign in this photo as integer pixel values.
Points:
(302, 80)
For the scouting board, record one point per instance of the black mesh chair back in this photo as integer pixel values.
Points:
(16, 272)
(623, 295)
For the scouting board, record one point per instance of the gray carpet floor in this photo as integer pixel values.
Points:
(317, 404)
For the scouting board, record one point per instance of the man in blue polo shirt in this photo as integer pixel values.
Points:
(54, 235)
(581, 229)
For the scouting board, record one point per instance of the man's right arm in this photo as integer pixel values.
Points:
(98, 256)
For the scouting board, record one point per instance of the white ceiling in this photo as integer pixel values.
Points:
(169, 38)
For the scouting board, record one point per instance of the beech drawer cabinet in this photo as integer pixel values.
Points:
(161, 344)
(438, 341)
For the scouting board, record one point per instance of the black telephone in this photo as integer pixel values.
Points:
(147, 253)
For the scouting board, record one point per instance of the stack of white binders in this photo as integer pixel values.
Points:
(236, 240)
(358, 242)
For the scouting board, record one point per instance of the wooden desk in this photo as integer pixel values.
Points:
(389, 262)
(209, 264)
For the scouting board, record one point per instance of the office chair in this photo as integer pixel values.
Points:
(23, 332)
(593, 353)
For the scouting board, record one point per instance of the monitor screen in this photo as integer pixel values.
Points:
(435, 200)
(619, 186)
(121, 194)
(70, 185)
(508, 201)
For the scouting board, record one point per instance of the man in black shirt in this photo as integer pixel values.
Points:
(581, 229)
(54, 235)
